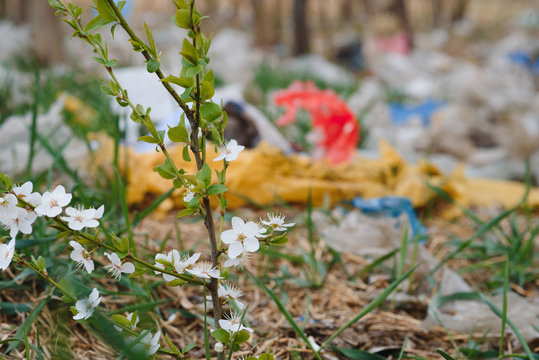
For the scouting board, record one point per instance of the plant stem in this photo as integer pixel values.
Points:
(44, 276)
(194, 120)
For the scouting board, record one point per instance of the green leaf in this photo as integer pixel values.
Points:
(183, 82)
(210, 111)
(105, 15)
(206, 90)
(121, 320)
(148, 139)
(189, 52)
(190, 70)
(165, 170)
(185, 154)
(188, 347)
(204, 175)
(186, 212)
(152, 65)
(172, 346)
(221, 335)
(216, 189)
(183, 18)
(279, 240)
(242, 337)
(266, 356)
(56, 4)
(445, 355)
(178, 134)
(150, 40)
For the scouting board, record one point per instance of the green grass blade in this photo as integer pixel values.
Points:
(367, 269)
(23, 329)
(285, 312)
(371, 306)
(445, 355)
(499, 313)
(504, 306)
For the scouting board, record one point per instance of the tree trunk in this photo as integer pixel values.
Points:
(301, 31)
(46, 33)
(460, 10)
(399, 9)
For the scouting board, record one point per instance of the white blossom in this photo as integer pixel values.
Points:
(85, 307)
(6, 254)
(230, 151)
(146, 342)
(205, 270)
(242, 237)
(52, 203)
(276, 222)
(25, 193)
(185, 262)
(117, 268)
(171, 258)
(81, 218)
(231, 292)
(8, 206)
(81, 256)
(232, 323)
(21, 221)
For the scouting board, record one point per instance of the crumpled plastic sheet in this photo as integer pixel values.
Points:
(266, 176)
(364, 235)
(393, 207)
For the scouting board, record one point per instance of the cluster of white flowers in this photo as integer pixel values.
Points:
(20, 208)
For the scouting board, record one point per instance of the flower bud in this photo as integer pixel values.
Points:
(219, 347)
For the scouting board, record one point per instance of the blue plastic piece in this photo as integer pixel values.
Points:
(401, 113)
(392, 206)
(523, 59)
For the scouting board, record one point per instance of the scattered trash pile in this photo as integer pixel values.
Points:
(480, 109)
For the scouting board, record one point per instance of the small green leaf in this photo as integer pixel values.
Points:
(279, 240)
(266, 356)
(210, 111)
(150, 40)
(209, 77)
(221, 335)
(189, 52)
(178, 134)
(183, 82)
(185, 154)
(152, 65)
(216, 189)
(56, 4)
(172, 346)
(183, 18)
(204, 175)
(188, 347)
(165, 171)
(186, 212)
(206, 90)
(242, 337)
(120, 320)
(149, 139)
